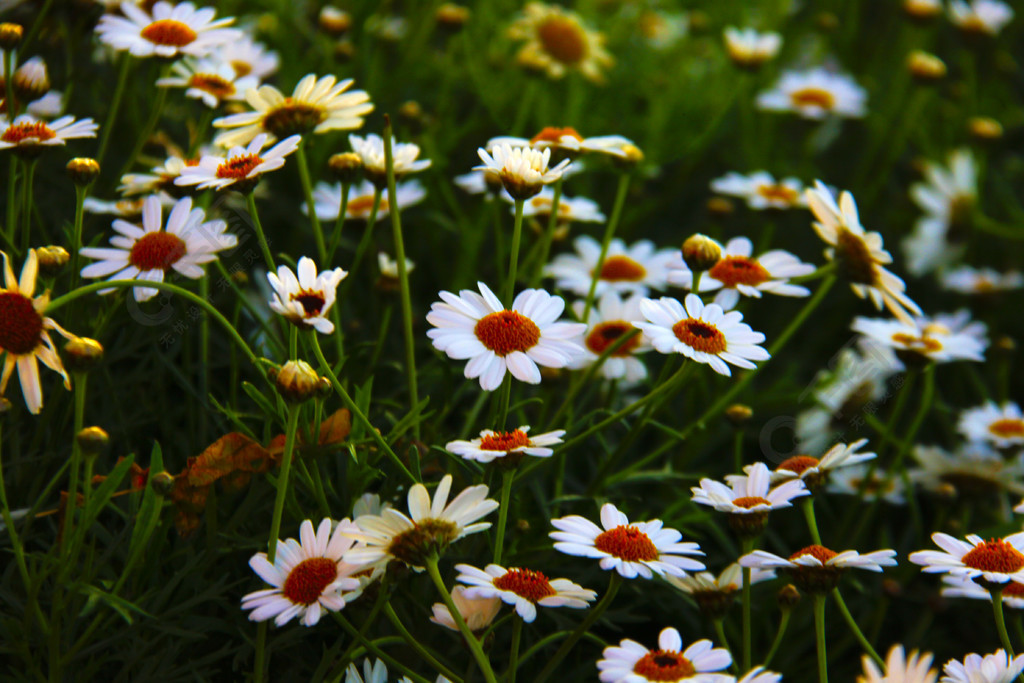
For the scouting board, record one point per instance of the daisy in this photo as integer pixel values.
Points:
(968, 280)
(749, 49)
(487, 183)
(242, 168)
(984, 17)
(428, 529)
(816, 569)
(123, 208)
(860, 480)
(998, 667)
(30, 80)
(947, 198)
(308, 576)
(303, 297)
(388, 268)
(631, 662)
(705, 334)
(478, 613)
(523, 171)
(924, 340)
(815, 94)
(973, 470)
(738, 273)
(372, 673)
(858, 253)
(570, 209)
(46, 107)
(900, 668)
(631, 549)
(761, 191)
(30, 136)
(996, 561)
(748, 498)
(248, 57)
(635, 269)
(213, 82)
(814, 471)
(557, 42)
(160, 178)
(608, 322)
(327, 200)
(371, 150)
(495, 339)
(963, 587)
(567, 142)
(170, 31)
(492, 445)
(25, 332)
(315, 106)
(523, 588)
(922, 10)
(147, 253)
(1002, 426)
(663, 29)
(760, 675)
(715, 594)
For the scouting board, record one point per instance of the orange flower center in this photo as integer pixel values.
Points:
(778, 193)
(923, 344)
(312, 301)
(739, 270)
(994, 555)
(1007, 427)
(664, 665)
(563, 39)
(293, 118)
(818, 552)
(21, 327)
(37, 130)
(213, 84)
(308, 579)
(621, 268)
(627, 543)
(507, 331)
(505, 441)
(798, 464)
(607, 333)
(700, 335)
(526, 583)
(748, 502)
(157, 251)
(813, 97)
(1013, 590)
(555, 134)
(169, 32)
(241, 68)
(360, 207)
(855, 260)
(239, 167)
(543, 206)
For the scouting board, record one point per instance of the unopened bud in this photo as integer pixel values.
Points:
(10, 35)
(451, 17)
(162, 482)
(699, 21)
(1004, 344)
(344, 50)
(984, 128)
(92, 440)
(926, 67)
(788, 597)
(701, 253)
(296, 381)
(827, 21)
(52, 259)
(5, 405)
(347, 167)
(411, 112)
(334, 21)
(240, 277)
(82, 354)
(738, 413)
(31, 80)
(83, 171)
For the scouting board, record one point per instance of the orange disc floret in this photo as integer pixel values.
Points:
(239, 167)
(748, 502)
(818, 552)
(798, 464)
(627, 543)
(21, 327)
(308, 579)
(700, 335)
(994, 555)
(157, 251)
(507, 331)
(816, 97)
(1007, 427)
(526, 583)
(555, 134)
(664, 665)
(37, 130)
(607, 333)
(505, 441)
(619, 268)
(169, 32)
(739, 270)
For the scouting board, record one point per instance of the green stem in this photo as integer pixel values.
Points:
(372, 648)
(517, 233)
(807, 505)
(819, 632)
(779, 635)
(365, 241)
(268, 258)
(927, 396)
(720, 632)
(609, 232)
(858, 634)
(115, 106)
(76, 241)
(282, 481)
(351, 405)
(471, 640)
(154, 118)
(307, 190)
(549, 233)
(595, 613)
(26, 206)
(12, 195)
(504, 398)
(513, 653)
(204, 359)
(415, 643)
(260, 666)
(12, 531)
(506, 493)
(382, 594)
(339, 224)
(76, 460)
(997, 611)
(748, 546)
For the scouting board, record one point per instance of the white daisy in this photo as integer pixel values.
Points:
(308, 577)
(148, 252)
(241, 168)
(388, 266)
(707, 334)
(631, 662)
(980, 16)
(715, 594)
(482, 182)
(214, 82)
(570, 209)
(306, 298)
(316, 105)
(123, 208)
(327, 200)
(662, 29)
(494, 339)
(816, 569)
(523, 588)
(760, 675)
(738, 273)
(925, 339)
(631, 549)
(170, 30)
(30, 135)
(973, 470)
(858, 253)
(25, 332)
(568, 142)
(609, 320)
(998, 667)
(160, 178)
(947, 198)
(968, 280)
(749, 49)
(429, 528)
(248, 57)
(964, 587)
(922, 10)
(627, 270)
(557, 42)
(761, 191)
(371, 150)
(478, 613)
(492, 445)
(1002, 426)
(46, 107)
(996, 561)
(900, 668)
(860, 480)
(814, 471)
(377, 672)
(815, 94)
(523, 171)
(748, 494)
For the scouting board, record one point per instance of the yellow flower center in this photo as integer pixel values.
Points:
(157, 251)
(169, 32)
(21, 327)
(994, 555)
(360, 207)
(619, 268)
(607, 333)
(308, 579)
(1007, 427)
(700, 335)
(563, 38)
(526, 583)
(555, 134)
(293, 118)
(778, 193)
(627, 543)
(507, 331)
(739, 270)
(213, 84)
(748, 502)
(924, 344)
(37, 130)
(813, 97)
(664, 665)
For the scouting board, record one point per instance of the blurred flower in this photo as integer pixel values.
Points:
(986, 17)
(371, 150)
(996, 561)
(523, 171)
(860, 480)
(631, 549)
(715, 594)
(241, 168)
(964, 587)
(160, 179)
(211, 81)
(495, 339)
(635, 269)
(998, 667)
(30, 136)
(816, 569)
(662, 29)
(123, 208)
(761, 191)
(523, 588)
(567, 142)
(631, 662)
(248, 57)
(609, 320)
(900, 668)
(557, 42)
(478, 613)
(388, 266)
(147, 253)
(749, 49)
(926, 67)
(815, 94)
(947, 197)
(306, 299)
(973, 470)
(327, 200)
(570, 209)
(170, 30)
(372, 673)
(748, 498)
(814, 471)
(1002, 426)
(968, 280)
(308, 577)
(491, 445)
(926, 339)
(922, 9)
(705, 334)
(25, 332)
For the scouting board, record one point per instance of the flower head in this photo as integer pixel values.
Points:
(371, 150)
(1002, 426)
(761, 191)
(980, 17)
(525, 589)
(996, 561)
(947, 198)
(493, 445)
(211, 81)
(817, 569)
(926, 340)
(870, 485)
(568, 143)
(327, 200)
(815, 94)
(478, 613)
(749, 49)
(557, 42)
(170, 30)
(570, 209)
(634, 269)
(715, 594)
(748, 498)
(303, 297)
(241, 168)
(968, 280)
(973, 470)
(900, 668)
(248, 57)
(609, 321)
(631, 662)
(161, 179)
(815, 471)
(523, 171)
(29, 136)
(998, 667)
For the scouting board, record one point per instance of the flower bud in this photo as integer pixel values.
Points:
(922, 10)
(451, 17)
(52, 259)
(334, 21)
(83, 171)
(10, 35)
(5, 405)
(92, 440)
(347, 167)
(162, 482)
(984, 128)
(738, 413)
(720, 206)
(701, 253)
(926, 67)
(31, 80)
(82, 354)
(788, 597)
(296, 381)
